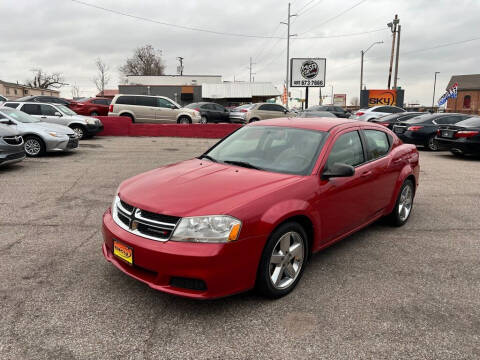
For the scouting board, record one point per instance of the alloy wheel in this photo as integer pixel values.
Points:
(405, 202)
(33, 147)
(203, 120)
(286, 260)
(78, 131)
(432, 144)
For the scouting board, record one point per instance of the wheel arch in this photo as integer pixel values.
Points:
(406, 174)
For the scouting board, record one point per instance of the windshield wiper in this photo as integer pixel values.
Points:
(243, 164)
(208, 157)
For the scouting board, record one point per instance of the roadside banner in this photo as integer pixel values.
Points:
(451, 93)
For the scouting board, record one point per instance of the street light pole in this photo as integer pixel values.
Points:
(393, 27)
(288, 49)
(434, 85)
(361, 62)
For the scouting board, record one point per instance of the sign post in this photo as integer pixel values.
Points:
(307, 72)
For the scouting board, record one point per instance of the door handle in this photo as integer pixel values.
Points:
(366, 173)
(43, 117)
(398, 161)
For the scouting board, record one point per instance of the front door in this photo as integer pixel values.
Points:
(166, 111)
(343, 203)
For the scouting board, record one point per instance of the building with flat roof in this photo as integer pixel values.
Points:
(13, 91)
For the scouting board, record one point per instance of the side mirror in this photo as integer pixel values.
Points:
(57, 113)
(338, 170)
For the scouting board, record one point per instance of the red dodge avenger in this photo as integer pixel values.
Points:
(250, 211)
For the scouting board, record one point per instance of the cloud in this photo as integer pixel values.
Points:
(61, 35)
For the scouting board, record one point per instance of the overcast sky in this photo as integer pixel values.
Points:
(66, 36)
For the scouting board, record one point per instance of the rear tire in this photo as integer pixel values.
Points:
(432, 144)
(34, 146)
(283, 260)
(404, 205)
(203, 120)
(93, 113)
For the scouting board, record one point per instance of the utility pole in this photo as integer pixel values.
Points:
(434, 85)
(396, 57)
(180, 59)
(393, 28)
(361, 63)
(251, 73)
(288, 48)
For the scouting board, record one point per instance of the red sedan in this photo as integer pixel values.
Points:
(252, 209)
(91, 107)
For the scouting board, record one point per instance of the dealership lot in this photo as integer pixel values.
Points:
(381, 293)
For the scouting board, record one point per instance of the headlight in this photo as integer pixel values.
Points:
(90, 121)
(208, 229)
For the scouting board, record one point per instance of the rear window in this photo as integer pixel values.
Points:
(11, 105)
(241, 107)
(470, 122)
(127, 100)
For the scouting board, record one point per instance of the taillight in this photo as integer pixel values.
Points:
(414, 128)
(384, 124)
(438, 131)
(110, 108)
(466, 134)
(359, 113)
(243, 110)
(197, 109)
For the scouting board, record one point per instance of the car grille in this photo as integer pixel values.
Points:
(143, 223)
(13, 140)
(72, 141)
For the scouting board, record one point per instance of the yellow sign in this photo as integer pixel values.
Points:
(123, 251)
(382, 97)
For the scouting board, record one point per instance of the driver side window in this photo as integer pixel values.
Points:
(47, 110)
(164, 103)
(347, 150)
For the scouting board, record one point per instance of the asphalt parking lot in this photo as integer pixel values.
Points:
(411, 292)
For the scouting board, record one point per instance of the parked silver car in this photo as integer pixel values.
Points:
(152, 109)
(12, 147)
(375, 112)
(39, 137)
(83, 126)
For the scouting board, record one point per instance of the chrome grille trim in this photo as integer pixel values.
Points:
(135, 217)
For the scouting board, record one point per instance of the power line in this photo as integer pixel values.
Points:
(191, 28)
(340, 35)
(334, 17)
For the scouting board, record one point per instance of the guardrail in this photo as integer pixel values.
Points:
(123, 126)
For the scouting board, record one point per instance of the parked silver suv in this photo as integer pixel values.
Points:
(152, 109)
(83, 126)
(39, 137)
(12, 147)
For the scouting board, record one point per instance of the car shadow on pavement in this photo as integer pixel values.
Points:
(11, 167)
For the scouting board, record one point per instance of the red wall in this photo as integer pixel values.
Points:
(123, 126)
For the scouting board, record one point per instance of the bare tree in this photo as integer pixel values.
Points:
(75, 91)
(102, 78)
(43, 80)
(354, 101)
(145, 61)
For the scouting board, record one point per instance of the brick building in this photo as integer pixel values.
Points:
(468, 94)
(13, 91)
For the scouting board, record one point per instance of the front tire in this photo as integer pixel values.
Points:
(184, 120)
(283, 260)
(79, 131)
(404, 204)
(34, 146)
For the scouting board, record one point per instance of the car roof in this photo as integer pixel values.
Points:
(30, 102)
(319, 124)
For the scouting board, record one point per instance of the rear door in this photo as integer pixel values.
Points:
(31, 109)
(145, 109)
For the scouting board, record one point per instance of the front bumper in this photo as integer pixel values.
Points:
(93, 129)
(66, 143)
(225, 269)
(13, 157)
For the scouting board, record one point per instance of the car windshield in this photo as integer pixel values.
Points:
(192, 106)
(65, 110)
(470, 122)
(18, 115)
(270, 148)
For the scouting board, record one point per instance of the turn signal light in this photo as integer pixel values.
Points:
(466, 134)
(414, 128)
(234, 232)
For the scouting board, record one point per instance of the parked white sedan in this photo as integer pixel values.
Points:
(375, 112)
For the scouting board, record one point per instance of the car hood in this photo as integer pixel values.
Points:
(43, 126)
(200, 187)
